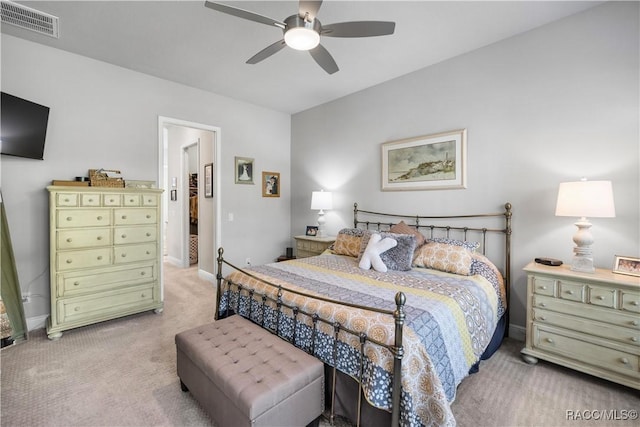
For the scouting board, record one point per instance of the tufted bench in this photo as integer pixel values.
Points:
(244, 375)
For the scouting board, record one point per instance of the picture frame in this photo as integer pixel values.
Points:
(430, 162)
(208, 180)
(312, 230)
(243, 170)
(626, 265)
(270, 184)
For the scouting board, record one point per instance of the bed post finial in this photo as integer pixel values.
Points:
(398, 353)
(355, 215)
(218, 282)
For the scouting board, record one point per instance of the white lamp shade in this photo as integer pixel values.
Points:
(321, 200)
(592, 199)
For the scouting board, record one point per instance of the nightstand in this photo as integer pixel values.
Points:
(587, 322)
(307, 246)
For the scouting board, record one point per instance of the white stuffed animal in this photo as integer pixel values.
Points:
(371, 255)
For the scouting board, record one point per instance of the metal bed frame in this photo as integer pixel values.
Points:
(258, 302)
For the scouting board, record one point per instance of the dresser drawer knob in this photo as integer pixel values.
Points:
(544, 288)
(69, 261)
(635, 303)
(69, 218)
(99, 237)
(600, 297)
(76, 283)
(143, 295)
(148, 253)
(543, 318)
(148, 234)
(124, 236)
(570, 292)
(111, 200)
(542, 304)
(148, 216)
(123, 255)
(634, 339)
(99, 217)
(550, 340)
(76, 309)
(99, 257)
(624, 361)
(90, 200)
(142, 273)
(124, 217)
(634, 323)
(66, 200)
(69, 240)
(132, 200)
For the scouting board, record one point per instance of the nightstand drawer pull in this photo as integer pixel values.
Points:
(635, 303)
(634, 339)
(544, 288)
(600, 297)
(542, 304)
(635, 323)
(570, 292)
(624, 361)
(550, 340)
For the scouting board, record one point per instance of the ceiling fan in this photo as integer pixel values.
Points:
(303, 31)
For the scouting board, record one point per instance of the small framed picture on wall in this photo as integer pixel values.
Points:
(270, 184)
(244, 170)
(208, 180)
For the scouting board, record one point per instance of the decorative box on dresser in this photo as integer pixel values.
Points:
(105, 254)
(588, 322)
(307, 246)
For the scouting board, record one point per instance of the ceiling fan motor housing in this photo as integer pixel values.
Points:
(300, 33)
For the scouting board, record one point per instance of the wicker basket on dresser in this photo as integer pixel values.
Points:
(105, 254)
(588, 322)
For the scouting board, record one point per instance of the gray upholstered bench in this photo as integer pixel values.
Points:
(244, 375)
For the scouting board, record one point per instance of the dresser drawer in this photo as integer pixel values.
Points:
(571, 291)
(105, 305)
(150, 200)
(90, 199)
(81, 282)
(604, 330)
(124, 235)
(88, 237)
(133, 253)
(68, 218)
(112, 200)
(131, 199)
(134, 216)
(66, 199)
(603, 297)
(543, 286)
(630, 301)
(587, 352)
(73, 260)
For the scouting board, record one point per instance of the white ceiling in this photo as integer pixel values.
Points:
(185, 42)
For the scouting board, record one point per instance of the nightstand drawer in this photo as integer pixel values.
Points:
(544, 286)
(631, 301)
(571, 291)
(587, 352)
(603, 297)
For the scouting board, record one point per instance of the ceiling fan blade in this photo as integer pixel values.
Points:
(241, 13)
(309, 6)
(267, 52)
(324, 59)
(359, 29)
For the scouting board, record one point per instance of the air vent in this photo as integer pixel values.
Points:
(29, 19)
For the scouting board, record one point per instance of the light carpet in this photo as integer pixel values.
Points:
(122, 373)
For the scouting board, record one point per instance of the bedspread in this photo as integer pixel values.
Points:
(450, 319)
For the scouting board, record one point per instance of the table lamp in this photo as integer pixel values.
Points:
(321, 200)
(584, 199)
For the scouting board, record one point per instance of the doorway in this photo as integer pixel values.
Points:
(185, 148)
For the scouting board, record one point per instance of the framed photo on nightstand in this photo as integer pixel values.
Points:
(626, 265)
(312, 230)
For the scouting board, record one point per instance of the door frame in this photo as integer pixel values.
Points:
(163, 179)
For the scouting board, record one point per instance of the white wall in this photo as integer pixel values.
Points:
(107, 116)
(551, 105)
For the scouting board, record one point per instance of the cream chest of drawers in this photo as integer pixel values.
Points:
(105, 254)
(307, 246)
(588, 322)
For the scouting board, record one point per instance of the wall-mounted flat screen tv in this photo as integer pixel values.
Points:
(23, 127)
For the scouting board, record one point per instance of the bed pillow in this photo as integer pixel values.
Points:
(401, 256)
(403, 228)
(472, 246)
(348, 242)
(444, 257)
(376, 246)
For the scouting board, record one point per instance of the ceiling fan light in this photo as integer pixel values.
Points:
(301, 38)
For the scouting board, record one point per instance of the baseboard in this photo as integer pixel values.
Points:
(37, 322)
(174, 261)
(205, 275)
(518, 333)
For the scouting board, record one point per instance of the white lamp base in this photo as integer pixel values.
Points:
(583, 254)
(321, 221)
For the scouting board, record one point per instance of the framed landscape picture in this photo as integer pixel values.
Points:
(430, 162)
(270, 184)
(244, 170)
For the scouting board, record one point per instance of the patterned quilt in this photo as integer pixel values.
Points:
(450, 320)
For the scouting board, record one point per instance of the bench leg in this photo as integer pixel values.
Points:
(183, 387)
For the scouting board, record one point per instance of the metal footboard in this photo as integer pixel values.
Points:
(256, 306)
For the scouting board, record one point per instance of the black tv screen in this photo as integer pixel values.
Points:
(23, 127)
